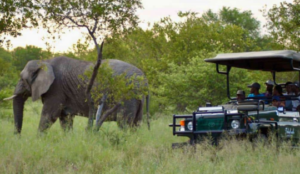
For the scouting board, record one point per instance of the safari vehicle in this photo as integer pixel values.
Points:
(250, 118)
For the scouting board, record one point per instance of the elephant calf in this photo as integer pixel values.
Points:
(57, 82)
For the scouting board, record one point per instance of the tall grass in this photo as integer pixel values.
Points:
(137, 151)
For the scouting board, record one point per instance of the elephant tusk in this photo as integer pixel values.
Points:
(11, 97)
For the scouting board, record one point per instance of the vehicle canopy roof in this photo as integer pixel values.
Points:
(276, 61)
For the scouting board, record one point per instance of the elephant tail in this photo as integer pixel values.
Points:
(147, 110)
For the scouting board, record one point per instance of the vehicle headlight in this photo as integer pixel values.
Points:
(190, 126)
(235, 124)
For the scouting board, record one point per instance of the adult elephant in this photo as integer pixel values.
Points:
(60, 85)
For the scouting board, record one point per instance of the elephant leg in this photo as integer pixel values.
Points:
(139, 114)
(128, 114)
(51, 111)
(66, 122)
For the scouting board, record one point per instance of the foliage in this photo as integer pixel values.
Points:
(190, 85)
(246, 21)
(177, 42)
(22, 55)
(16, 15)
(99, 18)
(169, 52)
(117, 88)
(284, 23)
(233, 16)
(8, 77)
(188, 38)
(4, 93)
(7, 70)
(81, 51)
(5, 55)
(165, 51)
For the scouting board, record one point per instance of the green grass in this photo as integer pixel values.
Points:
(117, 151)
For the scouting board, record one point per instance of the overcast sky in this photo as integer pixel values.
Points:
(153, 11)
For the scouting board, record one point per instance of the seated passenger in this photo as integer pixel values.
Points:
(288, 88)
(269, 89)
(295, 91)
(278, 99)
(240, 95)
(288, 103)
(254, 91)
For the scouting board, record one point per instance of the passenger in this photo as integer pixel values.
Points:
(240, 95)
(288, 103)
(278, 99)
(288, 88)
(295, 88)
(295, 91)
(254, 91)
(269, 89)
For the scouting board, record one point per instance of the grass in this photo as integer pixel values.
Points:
(117, 151)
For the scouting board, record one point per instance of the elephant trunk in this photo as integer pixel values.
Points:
(18, 106)
(19, 97)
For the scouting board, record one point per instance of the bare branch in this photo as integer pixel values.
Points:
(95, 70)
(95, 26)
(72, 20)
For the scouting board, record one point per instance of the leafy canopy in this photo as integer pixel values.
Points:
(20, 55)
(233, 16)
(16, 15)
(99, 17)
(284, 24)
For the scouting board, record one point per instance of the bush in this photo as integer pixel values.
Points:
(186, 87)
(4, 93)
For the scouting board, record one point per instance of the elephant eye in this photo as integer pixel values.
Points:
(34, 75)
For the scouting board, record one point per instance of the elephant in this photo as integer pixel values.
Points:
(56, 81)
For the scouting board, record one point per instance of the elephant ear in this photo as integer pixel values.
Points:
(41, 79)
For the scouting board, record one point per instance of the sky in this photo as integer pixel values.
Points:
(152, 12)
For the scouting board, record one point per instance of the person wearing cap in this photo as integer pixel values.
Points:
(269, 90)
(254, 91)
(240, 95)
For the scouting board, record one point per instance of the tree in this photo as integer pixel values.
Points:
(190, 85)
(5, 55)
(244, 20)
(284, 24)
(7, 71)
(166, 50)
(21, 56)
(8, 76)
(99, 17)
(16, 15)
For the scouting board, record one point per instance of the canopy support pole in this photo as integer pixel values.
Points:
(228, 68)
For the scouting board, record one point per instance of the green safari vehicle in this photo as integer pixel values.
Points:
(251, 117)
